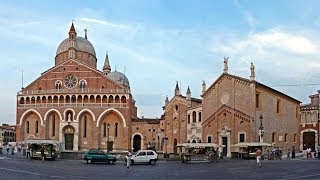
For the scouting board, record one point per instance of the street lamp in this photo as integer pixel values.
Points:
(261, 129)
(108, 128)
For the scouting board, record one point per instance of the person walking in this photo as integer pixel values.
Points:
(258, 156)
(293, 153)
(129, 159)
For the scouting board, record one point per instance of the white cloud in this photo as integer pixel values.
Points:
(104, 22)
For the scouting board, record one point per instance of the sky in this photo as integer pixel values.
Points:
(159, 42)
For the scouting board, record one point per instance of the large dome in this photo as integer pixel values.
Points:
(82, 44)
(119, 78)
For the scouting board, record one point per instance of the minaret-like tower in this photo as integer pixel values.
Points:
(225, 61)
(204, 87)
(188, 97)
(253, 74)
(106, 67)
(72, 42)
(177, 90)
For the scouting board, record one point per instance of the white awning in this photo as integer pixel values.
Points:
(247, 144)
(199, 145)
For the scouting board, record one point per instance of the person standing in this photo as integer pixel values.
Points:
(258, 156)
(309, 153)
(293, 153)
(42, 152)
(129, 159)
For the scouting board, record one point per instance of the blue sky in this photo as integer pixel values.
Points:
(160, 42)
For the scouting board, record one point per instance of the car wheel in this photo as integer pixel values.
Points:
(89, 161)
(111, 162)
(152, 162)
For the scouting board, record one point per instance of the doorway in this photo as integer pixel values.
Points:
(309, 140)
(68, 141)
(225, 148)
(136, 143)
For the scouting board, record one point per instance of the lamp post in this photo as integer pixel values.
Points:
(108, 128)
(261, 129)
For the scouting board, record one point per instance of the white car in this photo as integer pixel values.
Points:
(144, 156)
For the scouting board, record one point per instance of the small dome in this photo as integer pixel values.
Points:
(119, 77)
(82, 44)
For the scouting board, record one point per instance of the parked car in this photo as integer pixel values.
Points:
(144, 156)
(95, 155)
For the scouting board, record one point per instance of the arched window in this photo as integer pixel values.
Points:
(188, 118)
(27, 128)
(273, 137)
(58, 84)
(53, 121)
(104, 129)
(85, 126)
(199, 116)
(116, 129)
(37, 127)
(209, 139)
(194, 116)
(286, 137)
(82, 84)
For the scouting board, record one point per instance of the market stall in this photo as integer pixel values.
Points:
(247, 150)
(199, 152)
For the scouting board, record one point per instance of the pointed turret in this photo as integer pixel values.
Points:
(188, 97)
(253, 74)
(166, 102)
(72, 31)
(177, 90)
(106, 67)
(72, 42)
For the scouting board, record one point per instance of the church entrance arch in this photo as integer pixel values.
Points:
(309, 140)
(136, 142)
(68, 137)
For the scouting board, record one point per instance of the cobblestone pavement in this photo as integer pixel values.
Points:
(19, 167)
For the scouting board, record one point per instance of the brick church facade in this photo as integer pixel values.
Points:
(78, 105)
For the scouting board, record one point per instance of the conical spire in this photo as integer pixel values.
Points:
(177, 90)
(166, 102)
(72, 29)
(188, 90)
(106, 67)
(72, 42)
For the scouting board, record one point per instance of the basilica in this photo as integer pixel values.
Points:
(78, 105)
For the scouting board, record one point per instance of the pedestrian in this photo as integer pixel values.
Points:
(288, 154)
(258, 156)
(7, 149)
(293, 153)
(129, 159)
(42, 152)
(309, 153)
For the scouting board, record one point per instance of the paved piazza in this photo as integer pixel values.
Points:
(17, 167)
